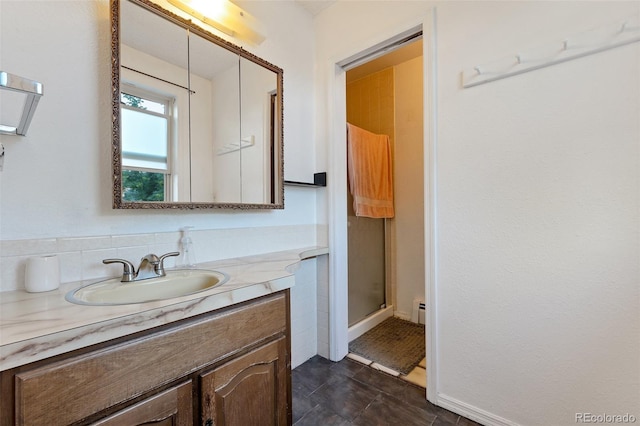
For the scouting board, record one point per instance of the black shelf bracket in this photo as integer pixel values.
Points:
(319, 180)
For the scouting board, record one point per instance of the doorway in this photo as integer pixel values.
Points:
(337, 268)
(386, 256)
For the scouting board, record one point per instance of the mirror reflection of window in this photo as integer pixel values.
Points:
(146, 141)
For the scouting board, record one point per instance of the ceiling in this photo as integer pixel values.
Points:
(315, 6)
(392, 58)
(395, 57)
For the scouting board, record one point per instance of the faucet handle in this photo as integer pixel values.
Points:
(160, 267)
(151, 258)
(129, 272)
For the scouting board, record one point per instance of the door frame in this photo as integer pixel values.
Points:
(337, 217)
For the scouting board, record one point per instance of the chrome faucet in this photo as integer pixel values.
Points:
(151, 266)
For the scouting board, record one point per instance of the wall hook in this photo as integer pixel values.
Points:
(626, 27)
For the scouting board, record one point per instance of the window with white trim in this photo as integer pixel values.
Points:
(146, 141)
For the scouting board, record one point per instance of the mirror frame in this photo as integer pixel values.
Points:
(118, 202)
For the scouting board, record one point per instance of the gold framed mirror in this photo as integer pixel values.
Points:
(197, 120)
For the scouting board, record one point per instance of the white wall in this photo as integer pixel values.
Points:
(304, 323)
(257, 86)
(57, 180)
(226, 106)
(200, 149)
(537, 204)
(408, 188)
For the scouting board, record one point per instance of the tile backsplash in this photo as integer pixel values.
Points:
(81, 257)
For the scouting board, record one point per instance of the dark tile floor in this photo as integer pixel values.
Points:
(349, 393)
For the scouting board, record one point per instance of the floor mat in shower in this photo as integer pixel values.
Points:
(394, 343)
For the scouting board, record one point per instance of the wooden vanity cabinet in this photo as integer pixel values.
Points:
(227, 367)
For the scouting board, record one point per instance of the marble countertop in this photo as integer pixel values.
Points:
(34, 326)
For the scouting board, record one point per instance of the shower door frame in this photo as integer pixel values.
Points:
(338, 268)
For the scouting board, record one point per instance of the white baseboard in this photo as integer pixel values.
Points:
(471, 412)
(402, 315)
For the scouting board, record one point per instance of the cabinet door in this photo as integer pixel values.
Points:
(172, 407)
(250, 390)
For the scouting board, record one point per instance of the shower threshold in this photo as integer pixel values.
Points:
(366, 324)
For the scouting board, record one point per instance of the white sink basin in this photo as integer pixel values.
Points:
(178, 282)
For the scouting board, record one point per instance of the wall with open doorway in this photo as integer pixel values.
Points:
(534, 222)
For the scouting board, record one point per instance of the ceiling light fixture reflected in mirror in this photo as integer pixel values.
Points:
(223, 16)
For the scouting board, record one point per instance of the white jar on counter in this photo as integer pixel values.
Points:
(42, 273)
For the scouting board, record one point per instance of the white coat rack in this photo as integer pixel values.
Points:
(577, 46)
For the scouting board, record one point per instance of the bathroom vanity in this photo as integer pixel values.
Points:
(231, 365)
(219, 357)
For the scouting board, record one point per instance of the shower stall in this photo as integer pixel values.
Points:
(367, 269)
(386, 256)
(370, 105)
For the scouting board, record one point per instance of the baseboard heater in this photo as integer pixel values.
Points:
(418, 312)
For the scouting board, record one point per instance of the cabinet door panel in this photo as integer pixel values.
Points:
(172, 407)
(249, 390)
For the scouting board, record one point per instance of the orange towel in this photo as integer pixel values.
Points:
(370, 173)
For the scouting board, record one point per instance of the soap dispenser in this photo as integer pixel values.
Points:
(188, 257)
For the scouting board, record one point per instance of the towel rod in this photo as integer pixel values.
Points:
(32, 89)
(246, 142)
(319, 180)
(158, 78)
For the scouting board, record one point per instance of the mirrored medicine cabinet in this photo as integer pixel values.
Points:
(197, 121)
